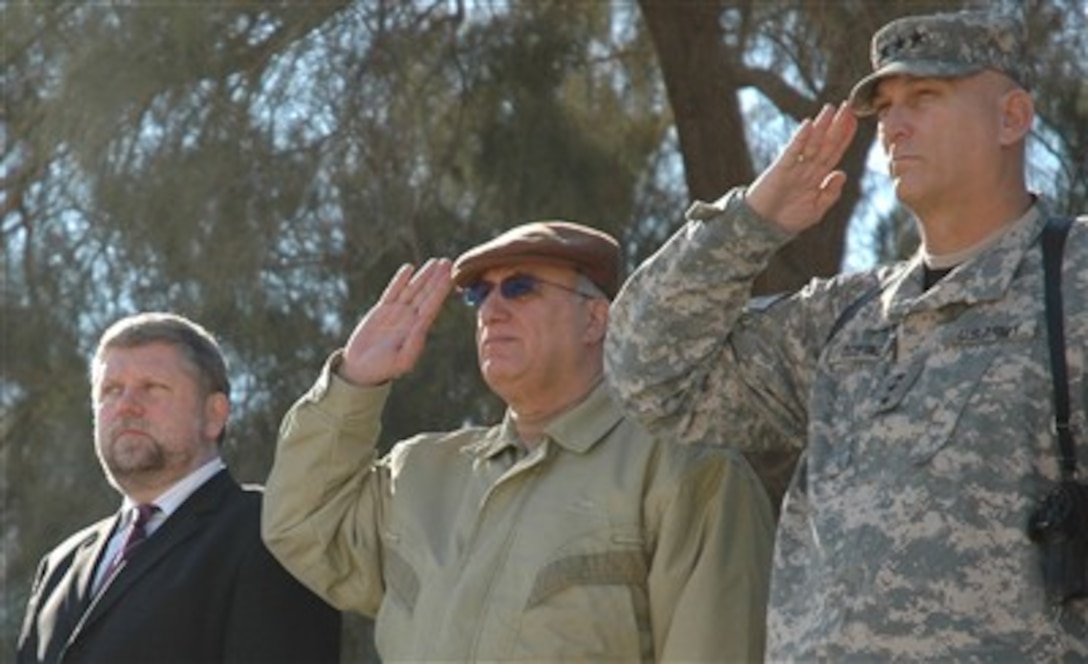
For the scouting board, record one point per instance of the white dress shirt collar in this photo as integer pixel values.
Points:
(170, 500)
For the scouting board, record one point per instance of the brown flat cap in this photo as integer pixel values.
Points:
(591, 252)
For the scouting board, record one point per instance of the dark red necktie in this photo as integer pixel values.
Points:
(137, 533)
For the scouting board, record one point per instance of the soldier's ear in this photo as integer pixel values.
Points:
(1017, 115)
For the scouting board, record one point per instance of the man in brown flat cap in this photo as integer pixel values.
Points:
(565, 532)
(920, 392)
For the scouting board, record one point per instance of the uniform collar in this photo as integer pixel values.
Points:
(984, 278)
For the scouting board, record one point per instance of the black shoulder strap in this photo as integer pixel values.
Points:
(1054, 234)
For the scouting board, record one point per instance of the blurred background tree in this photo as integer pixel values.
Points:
(264, 166)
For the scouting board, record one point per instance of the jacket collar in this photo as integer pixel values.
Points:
(578, 429)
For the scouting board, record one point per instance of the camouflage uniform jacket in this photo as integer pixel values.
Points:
(599, 544)
(926, 421)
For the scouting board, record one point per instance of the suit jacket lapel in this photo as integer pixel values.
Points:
(181, 526)
(86, 561)
(73, 595)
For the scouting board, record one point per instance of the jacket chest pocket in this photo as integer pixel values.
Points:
(963, 384)
(620, 567)
(850, 372)
(603, 582)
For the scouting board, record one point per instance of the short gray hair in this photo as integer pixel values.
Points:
(587, 287)
(197, 345)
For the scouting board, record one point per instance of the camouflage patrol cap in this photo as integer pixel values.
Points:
(589, 251)
(943, 46)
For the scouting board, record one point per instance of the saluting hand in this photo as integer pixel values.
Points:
(798, 188)
(389, 339)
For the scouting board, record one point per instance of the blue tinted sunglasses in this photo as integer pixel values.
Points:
(514, 287)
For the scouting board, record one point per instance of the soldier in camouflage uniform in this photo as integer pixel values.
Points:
(919, 392)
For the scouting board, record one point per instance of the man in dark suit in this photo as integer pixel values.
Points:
(180, 573)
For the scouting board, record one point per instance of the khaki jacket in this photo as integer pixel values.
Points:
(599, 544)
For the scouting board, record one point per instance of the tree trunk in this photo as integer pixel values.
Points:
(702, 77)
(701, 86)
